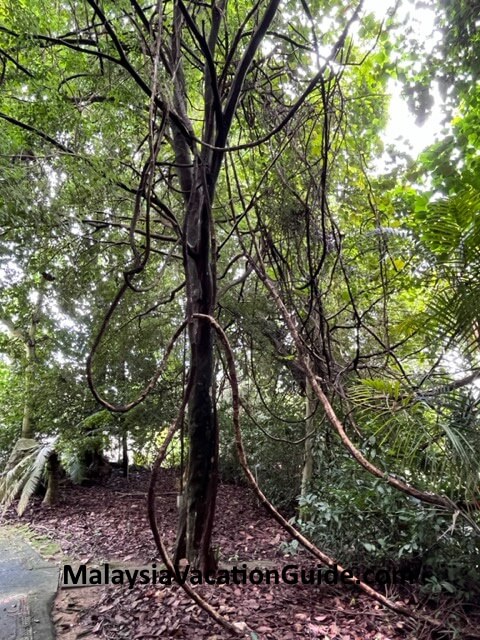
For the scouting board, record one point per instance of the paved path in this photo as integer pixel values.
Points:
(27, 587)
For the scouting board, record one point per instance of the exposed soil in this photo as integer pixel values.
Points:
(109, 523)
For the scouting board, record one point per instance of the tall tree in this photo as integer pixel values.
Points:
(184, 90)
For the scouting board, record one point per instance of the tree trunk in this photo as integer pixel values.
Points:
(197, 507)
(125, 463)
(27, 423)
(53, 472)
(308, 464)
(198, 172)
(121, 420)
(30, 338)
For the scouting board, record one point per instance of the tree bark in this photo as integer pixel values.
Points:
(197, 508)
(53, 472)
(30, 341)
(308, 464)
(27, 422)
(123, 428)
(198, 173)
(125, 464)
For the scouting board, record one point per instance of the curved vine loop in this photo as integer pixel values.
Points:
(400, 485)
(307, 544)
(154, 524)
(144, 191)
(123, 408)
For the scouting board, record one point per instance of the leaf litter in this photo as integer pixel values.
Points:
(109, 524)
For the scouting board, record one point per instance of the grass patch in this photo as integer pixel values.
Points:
(47, 548)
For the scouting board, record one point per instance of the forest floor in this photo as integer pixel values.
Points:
(96, 525)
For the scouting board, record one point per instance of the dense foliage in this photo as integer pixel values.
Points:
(373, 253)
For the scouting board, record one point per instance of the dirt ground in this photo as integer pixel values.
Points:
(94, 525)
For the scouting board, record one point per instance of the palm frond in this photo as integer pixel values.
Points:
(438, 433)
(34, 475)
(449, 232)
(23, 472)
